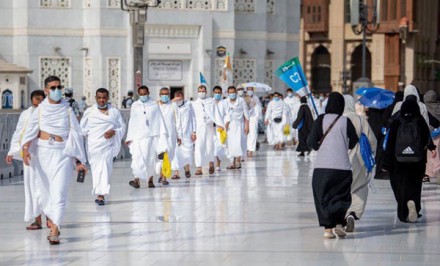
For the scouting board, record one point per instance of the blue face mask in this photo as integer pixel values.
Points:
(55, 95)
(232, 96)
(143, 98)
(164, 98)
(217, 96)
(276, 99)
(103, 107)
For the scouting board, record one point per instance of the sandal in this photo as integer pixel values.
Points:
(34, 226)
(175, 177)
(231, 167)
(211, 170)
(165, 183)
(134, 183)
(238, 166)
(426, 179)
(187, 174)
(198, 172)
(53, 240)
(151, 184)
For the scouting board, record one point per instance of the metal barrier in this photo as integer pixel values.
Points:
(8, 123)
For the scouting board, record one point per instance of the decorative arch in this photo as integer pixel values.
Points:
(356, 63)
(7, 99)
(321, 70)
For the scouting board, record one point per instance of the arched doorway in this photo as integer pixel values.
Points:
(7, 102)
(356, 64)
(321, 70)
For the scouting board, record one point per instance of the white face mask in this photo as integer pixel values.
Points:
(179, 103)
(250, 93)
(201, 95)
(240, 93)
(321, 98)
(289, 94)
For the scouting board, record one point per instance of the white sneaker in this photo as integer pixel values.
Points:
(218, 169)
(350, 224)
(328, 235)
(412, 213)
(339, 231)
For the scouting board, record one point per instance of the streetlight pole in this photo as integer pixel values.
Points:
(362, 25)
(138, 18)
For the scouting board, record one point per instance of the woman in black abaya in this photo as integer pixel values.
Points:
(304, 124)
(406, 178)
(332, 176)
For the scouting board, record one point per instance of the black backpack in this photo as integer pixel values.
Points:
(71, 101)
(409, 147)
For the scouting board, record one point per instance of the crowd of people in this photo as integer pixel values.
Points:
(52, 139)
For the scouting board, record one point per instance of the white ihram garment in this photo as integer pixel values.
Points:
(184, 153)
(171, 116)
(275, 130)
(236, 114)
(100, 150)
(54, 161)
(255, 113)
(32, 202)
(207, 113)
(294, 104)
(220, 149)
(148, 136)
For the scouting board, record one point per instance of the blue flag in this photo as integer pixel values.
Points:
(202, 79)
(292, 74)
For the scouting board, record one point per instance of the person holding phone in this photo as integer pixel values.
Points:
(104, 128)
(53, 145)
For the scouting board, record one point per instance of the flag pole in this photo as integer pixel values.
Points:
(313, 103)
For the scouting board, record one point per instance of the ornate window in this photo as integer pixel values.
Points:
(55, 3)
(270, 6)
(113, 3)
(114, 80)
(170, 4)
(55, 66)
(218, 71)
(244, 70)
(244, 5)
(268, 70)
(87, 79)
(199, 4)
(87, 3)
(221, 5)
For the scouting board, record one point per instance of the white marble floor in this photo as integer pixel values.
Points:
(260, 215)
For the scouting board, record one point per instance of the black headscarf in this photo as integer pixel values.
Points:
(335, 104)
(303, 99)
(410, 108)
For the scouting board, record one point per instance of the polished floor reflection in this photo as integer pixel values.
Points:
(260, 215)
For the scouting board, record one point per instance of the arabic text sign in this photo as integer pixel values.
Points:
(165, 70)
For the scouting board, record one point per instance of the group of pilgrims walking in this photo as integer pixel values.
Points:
(206, 131)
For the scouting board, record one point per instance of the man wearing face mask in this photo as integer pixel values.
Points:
(104, 128)
(171, 115)
(32, 206)
(207, 114)
(184, 152)
(237, 125)
(220, 149)
(322, 103)
(52, 145)
(255, 113)
(275, 119)
(147, 137)
(294, 104)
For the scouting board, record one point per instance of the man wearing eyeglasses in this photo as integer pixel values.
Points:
(58, 147)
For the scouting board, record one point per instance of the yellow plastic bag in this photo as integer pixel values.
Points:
(286, 130)
(166, 166)
(223, 135)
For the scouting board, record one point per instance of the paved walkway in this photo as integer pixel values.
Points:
(260, 215)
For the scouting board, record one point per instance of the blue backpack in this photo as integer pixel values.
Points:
(366, 151)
